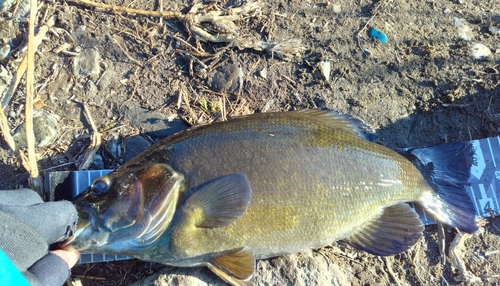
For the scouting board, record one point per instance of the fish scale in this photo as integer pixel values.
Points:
(276, 159)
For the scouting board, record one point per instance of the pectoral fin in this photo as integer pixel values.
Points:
(219, 202)
(236, 268)
(396, 230)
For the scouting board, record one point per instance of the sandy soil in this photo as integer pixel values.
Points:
(421, 88)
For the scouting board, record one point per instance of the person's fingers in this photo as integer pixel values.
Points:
(70, 257)
(53, 220)
(20, 197)
(48, 270)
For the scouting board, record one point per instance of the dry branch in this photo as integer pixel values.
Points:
(217, 26)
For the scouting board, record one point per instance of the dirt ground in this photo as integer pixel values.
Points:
(421, 88)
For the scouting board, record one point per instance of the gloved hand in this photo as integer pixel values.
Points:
(27, 227)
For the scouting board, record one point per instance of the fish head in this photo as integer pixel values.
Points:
(127, 210)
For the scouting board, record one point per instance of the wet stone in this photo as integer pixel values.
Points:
(44, 127)
(87, 64)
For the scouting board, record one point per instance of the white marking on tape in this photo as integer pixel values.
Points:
(474, 200)
(495, 201)
(478, 169)
(491, 152)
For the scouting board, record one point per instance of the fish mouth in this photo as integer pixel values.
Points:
(82, 224)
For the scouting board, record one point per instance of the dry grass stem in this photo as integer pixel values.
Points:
(126, 54)
(388, 265)
(95, 141)
(441, 242)
(456, 251)
(23, 65)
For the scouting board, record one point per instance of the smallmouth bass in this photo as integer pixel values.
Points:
(265, 185)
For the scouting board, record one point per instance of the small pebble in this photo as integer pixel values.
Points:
(23, 9)
(464, 31)
(87, 64)
(90, 89)
(336, 8)
(479, 51)
(227, 78)
(98, 100)
(5, 79)
(115, 146)
(109, 77)
(5, 5)
(44, 127)
(263, 73)
(493, 30)
(155, 124)
(325, 68)
(98, 162)
(4, 51)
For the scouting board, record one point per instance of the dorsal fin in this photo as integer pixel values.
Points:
(341, 121)
(219, 202)
(236, 268)
(395, 231)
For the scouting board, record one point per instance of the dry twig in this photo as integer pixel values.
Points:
(456, 251)
(222, 28)
(126, 53)
(32, 167)
(389, 269)
(95, 142)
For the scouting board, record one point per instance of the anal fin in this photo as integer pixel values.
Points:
(236, 268)
(395, 231)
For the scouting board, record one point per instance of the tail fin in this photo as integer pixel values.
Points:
(446, 168)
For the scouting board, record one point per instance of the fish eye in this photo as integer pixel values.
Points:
(100, 185)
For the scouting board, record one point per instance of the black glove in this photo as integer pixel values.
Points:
(27, 227)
